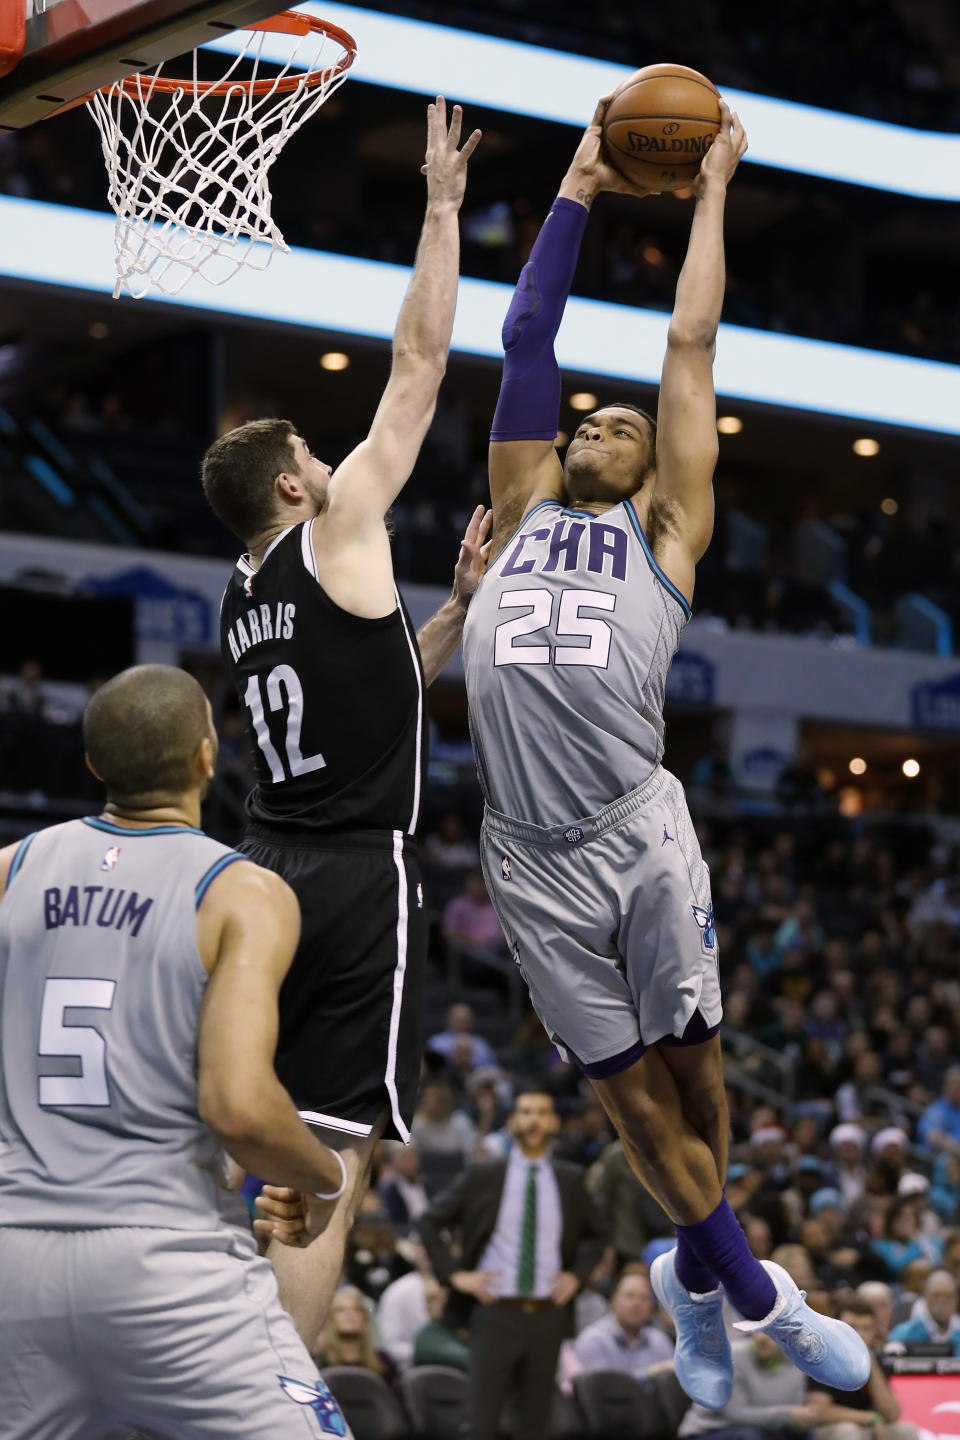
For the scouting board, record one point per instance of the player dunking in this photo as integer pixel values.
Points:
(140, 964)
(323, 657)
(589, 853)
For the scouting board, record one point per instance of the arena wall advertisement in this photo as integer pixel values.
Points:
(768, 681)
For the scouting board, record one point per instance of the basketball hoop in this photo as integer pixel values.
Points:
(188, 160)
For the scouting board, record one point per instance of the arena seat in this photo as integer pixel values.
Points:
(672, 1400)
(370, 1407)
(436, 1398)
(566, 1422)
(614, 1406)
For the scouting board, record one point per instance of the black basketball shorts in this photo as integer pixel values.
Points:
(351, 1007)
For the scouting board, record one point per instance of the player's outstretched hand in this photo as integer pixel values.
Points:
(726, 152)
(290, 1217)
(474, 556)
(445, 165)
(591, 166)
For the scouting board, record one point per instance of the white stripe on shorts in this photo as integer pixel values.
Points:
(331, 1122)
(398, 974)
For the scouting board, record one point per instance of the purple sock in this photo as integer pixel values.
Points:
(721, 1247)
(691, 1272)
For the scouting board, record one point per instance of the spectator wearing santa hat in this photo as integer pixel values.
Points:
(848, 1142)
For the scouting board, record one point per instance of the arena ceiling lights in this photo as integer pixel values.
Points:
(62, 246)
(505, 75)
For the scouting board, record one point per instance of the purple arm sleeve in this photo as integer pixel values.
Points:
(528, 407)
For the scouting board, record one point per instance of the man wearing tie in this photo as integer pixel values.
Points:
(528, 1239)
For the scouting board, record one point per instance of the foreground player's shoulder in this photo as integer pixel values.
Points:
(7, 856)
(244, 899)
(239, 882)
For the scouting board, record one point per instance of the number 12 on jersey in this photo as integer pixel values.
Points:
(283, 691)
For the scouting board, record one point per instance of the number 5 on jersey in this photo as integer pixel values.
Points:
(282, 681)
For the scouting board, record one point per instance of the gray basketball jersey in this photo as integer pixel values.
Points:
(101, 985)
(566, 649)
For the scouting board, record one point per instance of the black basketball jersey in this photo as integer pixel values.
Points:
(333, 703)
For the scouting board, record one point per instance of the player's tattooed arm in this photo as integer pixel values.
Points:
(590, 172)
(439, 637)
(686, 430)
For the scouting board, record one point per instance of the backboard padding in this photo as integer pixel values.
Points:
(81, 45)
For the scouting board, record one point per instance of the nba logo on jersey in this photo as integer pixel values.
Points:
(419, 896)
(109, 860)
(505, 867)
(248, 586)
(704, 919)
(321, 1402)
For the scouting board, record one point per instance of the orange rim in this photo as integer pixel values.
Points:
(288, 22)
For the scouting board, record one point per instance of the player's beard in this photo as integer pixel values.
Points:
(585, 474)
(318, 495)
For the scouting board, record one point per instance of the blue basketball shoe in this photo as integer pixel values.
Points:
(702, 1359)
(825, 1349)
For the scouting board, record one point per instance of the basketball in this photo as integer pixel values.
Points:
(659, 125)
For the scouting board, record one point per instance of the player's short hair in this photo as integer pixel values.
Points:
(141, 731)
(239, 470)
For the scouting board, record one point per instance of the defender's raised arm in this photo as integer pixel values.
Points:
(372, 476)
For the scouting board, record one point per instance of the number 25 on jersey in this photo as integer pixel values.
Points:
(570, 625)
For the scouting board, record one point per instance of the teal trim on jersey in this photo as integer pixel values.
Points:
(584, 514)
(665, 580)
(213, 872)
(539, 506)
(105, 825)
(20, 856)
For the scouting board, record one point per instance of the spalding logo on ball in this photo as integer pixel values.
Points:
(659, 125)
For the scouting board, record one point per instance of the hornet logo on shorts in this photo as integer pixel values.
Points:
(109, 860)
(320, 1401)
(704, 919)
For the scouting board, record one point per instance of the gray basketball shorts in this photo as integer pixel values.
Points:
(611, 924)
(178, 1335)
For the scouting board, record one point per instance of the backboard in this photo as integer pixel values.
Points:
(71, 47)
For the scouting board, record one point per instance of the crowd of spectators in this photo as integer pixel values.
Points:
(841, 967)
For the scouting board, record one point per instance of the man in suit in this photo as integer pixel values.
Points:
(528, 1237)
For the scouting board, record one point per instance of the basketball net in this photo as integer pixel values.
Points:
(188, 161)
